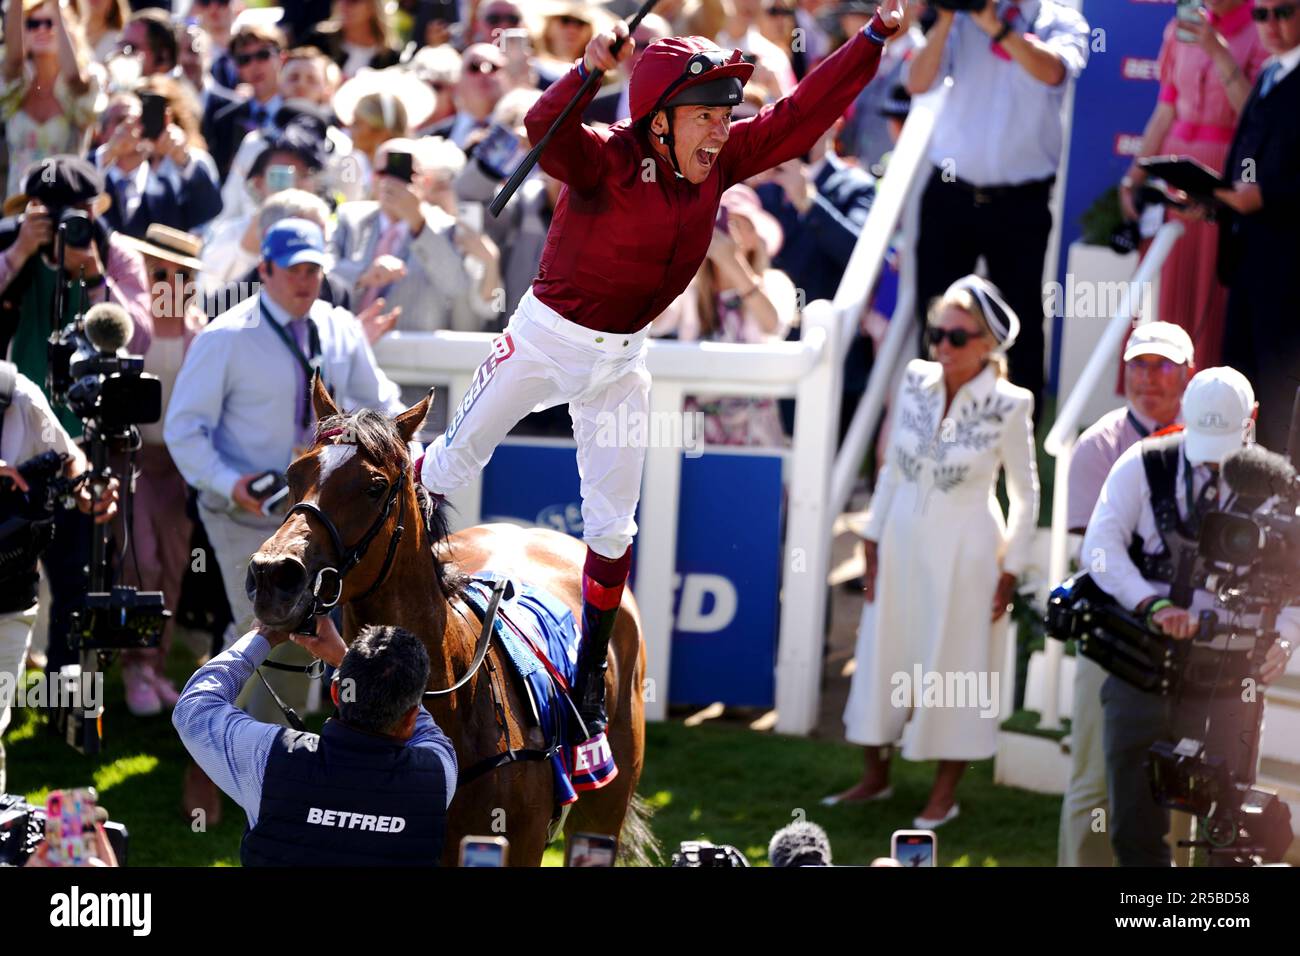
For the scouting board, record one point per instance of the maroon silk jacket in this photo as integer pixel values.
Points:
(628, 235)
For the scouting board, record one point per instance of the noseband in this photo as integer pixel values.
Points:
(329, 579)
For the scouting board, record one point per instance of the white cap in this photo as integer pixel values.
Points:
(1217, 413)
(1161, 338)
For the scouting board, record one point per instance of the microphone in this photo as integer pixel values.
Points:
(799, 844)
(108, 327)
(1256, 472)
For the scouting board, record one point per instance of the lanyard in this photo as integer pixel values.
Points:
(1138, 427)
(309, 365)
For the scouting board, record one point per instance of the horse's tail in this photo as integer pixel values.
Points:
(637, 843)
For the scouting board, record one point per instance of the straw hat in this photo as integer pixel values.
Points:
(171, 245)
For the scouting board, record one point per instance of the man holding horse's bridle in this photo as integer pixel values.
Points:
(630, 230)
(372, 788)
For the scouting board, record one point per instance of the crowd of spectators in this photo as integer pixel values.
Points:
(189, 131)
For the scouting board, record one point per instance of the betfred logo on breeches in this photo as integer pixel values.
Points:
(503, 347)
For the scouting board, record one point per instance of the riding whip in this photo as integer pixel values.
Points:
(534, 154)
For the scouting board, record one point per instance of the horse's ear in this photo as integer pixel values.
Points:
(409, 421)
(320, 398)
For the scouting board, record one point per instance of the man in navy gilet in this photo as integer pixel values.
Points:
(371, 789)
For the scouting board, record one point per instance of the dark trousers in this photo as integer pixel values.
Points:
(1134, 720)
(1262, 344)
(1009, 227)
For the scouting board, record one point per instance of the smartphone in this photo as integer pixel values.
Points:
(515, 43)
(70, 826)
(591, 849)
(500, 151)
(153, 115)
(271, 489)
(399, 165)
(914, 847)
(484, 851)
(280, 177)
(471, 214)
(1187, 11)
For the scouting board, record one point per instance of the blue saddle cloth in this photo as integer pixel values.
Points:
(537, 618)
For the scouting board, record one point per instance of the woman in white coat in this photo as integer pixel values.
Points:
(941, 563)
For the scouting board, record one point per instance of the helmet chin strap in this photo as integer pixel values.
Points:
(667, 140)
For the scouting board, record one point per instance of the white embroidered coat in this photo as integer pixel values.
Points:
(942, 545)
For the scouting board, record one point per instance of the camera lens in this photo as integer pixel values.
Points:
(76, 228)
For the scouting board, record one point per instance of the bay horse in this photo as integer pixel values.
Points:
(358, 477)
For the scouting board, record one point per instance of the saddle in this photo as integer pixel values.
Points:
(540, 639)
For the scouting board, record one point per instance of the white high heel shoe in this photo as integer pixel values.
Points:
(835, 798)
(926, 823)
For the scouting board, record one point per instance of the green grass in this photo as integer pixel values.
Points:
(721, 782)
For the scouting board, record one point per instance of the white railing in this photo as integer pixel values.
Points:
(899, 187)
(1060, 440)
(800, 369)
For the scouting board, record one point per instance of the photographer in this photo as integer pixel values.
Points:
(995, 149)
(29, 428)
(371, 789)
(1132, 555)
(67, 190)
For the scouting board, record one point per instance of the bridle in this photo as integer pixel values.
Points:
(331, 576)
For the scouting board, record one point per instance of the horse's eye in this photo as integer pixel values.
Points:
(377, 489)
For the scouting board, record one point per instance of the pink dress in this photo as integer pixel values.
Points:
(1204, 120)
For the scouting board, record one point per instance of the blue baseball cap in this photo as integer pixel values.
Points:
(291, 241)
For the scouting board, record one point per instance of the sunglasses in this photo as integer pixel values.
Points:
(568, 21)
(1283, 11)
(38, 23)
(959, 338)
(482, 66)
(1154, 366)
(502, 20)
(779, 12)
(212, 3)
(262, 55)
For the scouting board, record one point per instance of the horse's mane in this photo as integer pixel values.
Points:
(378, 438)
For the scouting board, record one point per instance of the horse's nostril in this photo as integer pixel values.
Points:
(287, 575)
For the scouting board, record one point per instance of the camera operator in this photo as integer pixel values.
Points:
(29, 428)
(996, 148)
(68, 189)
(371, 789)
(1131, 554)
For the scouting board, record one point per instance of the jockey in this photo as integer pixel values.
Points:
(630, 230)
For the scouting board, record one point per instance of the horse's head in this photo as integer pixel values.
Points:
(351, 491)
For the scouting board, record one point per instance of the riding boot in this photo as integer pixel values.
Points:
(593, 660)
(602, 594)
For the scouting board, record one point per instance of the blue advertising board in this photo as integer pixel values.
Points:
(727, 584)
(1113, 99)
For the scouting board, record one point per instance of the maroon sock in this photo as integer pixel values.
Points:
(603, 578)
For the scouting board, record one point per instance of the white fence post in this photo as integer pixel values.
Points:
(656, 550)
(808, 529)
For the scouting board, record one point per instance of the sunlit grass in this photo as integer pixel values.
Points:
(719, 782)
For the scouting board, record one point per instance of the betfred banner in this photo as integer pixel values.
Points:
(727, 582)
(1113, 99)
